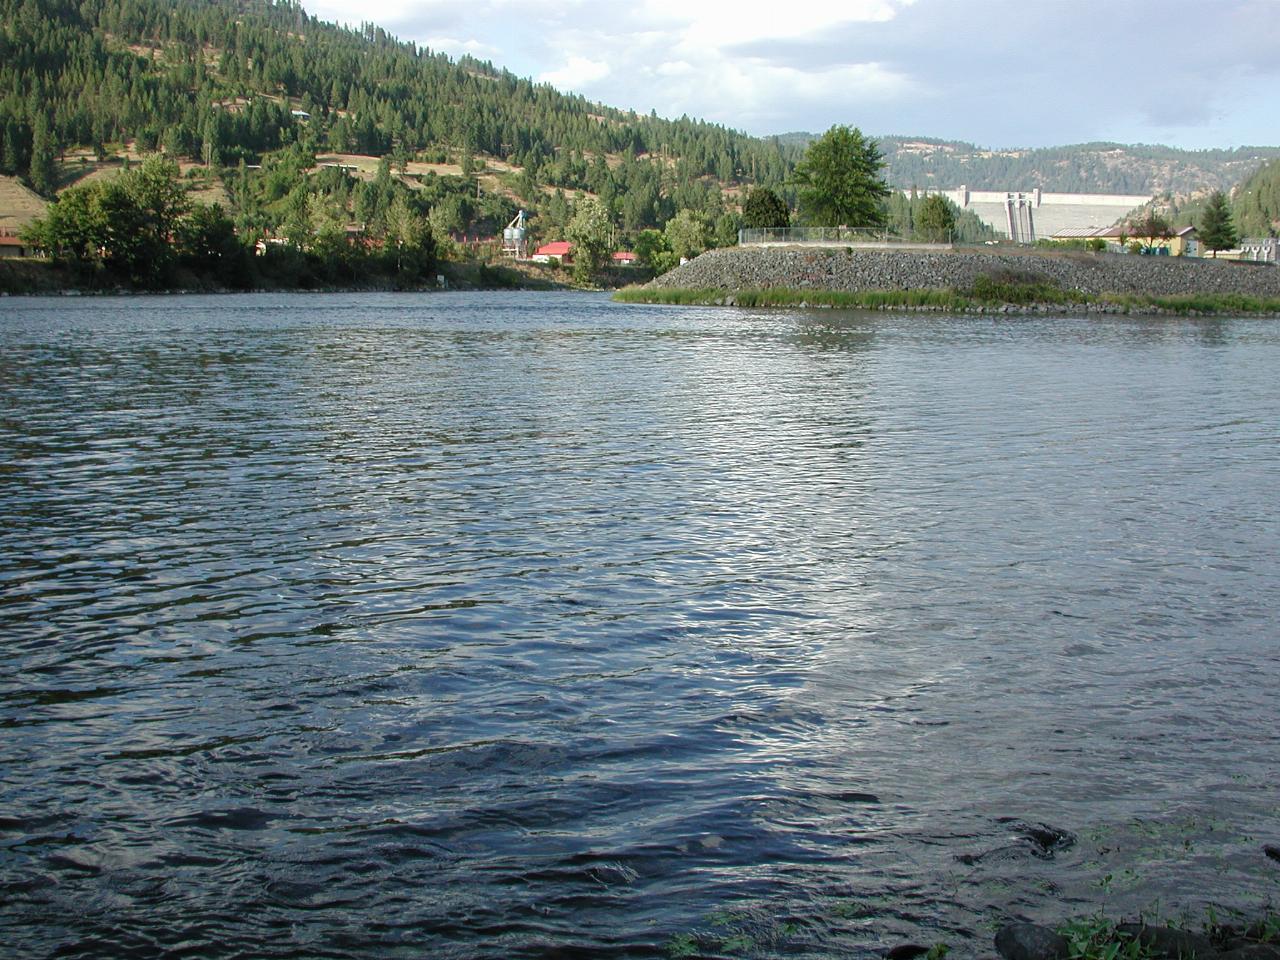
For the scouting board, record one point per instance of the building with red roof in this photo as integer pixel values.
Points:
(559, 250)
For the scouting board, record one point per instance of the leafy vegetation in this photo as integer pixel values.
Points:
(1152, 228)
(590, 233)
(839, 180)
(906, 217)
(937, 221)
(141, 229)
(1096, 938)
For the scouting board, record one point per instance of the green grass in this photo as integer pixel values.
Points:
(986, 292)
(1208, 303)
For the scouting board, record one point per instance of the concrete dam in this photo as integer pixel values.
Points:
(1027, 216)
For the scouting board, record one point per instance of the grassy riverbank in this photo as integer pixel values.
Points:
(990, 297)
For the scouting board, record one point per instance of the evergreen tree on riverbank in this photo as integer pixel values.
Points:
(1217, 232)
(764, 208)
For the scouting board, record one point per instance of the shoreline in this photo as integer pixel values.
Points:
(43, 278)
(965, 281)
(951, 301)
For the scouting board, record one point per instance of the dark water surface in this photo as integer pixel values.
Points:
(516, 625)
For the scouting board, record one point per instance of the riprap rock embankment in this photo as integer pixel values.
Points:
(843, 269)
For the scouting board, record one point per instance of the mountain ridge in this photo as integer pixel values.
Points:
(1091, 167)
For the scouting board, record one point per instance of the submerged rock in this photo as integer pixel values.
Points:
(906, 951)
(1169, 942)
(1040, 840)
(1252, 951)
(1027, 941)
(1044, 839)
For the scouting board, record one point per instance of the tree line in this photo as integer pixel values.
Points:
(142, 229)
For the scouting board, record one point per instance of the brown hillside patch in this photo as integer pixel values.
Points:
(18, 205)
(214, 192)
(439, 169)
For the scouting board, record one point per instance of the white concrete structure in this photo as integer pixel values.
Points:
(1263, 249)
(1015, 213)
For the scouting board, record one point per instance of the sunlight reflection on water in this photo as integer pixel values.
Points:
(508, 624)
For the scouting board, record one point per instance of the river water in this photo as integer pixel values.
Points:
(535, 625)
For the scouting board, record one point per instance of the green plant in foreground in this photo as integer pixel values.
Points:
(682, 945)
(1096, 938)
(1268, 930)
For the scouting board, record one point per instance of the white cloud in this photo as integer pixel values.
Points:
(577, 74)
(456, 48)
(983, 70)
(718, 23)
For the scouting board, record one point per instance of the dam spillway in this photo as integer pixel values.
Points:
(1050, 213)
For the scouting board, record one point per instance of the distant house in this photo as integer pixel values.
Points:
(12, 248)
(560, 251)
(625, 258)
(1185, 243)
(300, 114)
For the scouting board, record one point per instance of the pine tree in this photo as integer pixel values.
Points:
(764, 208)
(211, 142)
(1217, 232)
(41, 173)
(936, 222)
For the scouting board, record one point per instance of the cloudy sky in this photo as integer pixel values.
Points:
(999, 73)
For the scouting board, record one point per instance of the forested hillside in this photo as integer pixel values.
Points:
(1080, 168)
(1255, 203)
(231, 83)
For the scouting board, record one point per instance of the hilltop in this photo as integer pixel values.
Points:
(928, 162)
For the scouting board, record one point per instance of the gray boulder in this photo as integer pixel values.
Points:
(1027, 941)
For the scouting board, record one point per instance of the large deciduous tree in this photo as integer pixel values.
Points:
(1217, 231)
(839, 180)
(591, 234)
(687, 234)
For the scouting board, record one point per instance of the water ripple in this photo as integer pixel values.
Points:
(506, 625)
